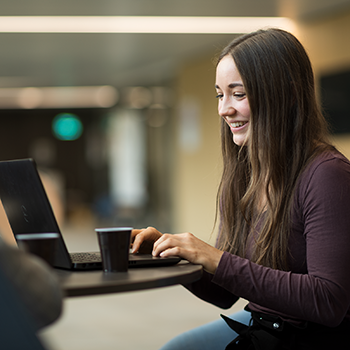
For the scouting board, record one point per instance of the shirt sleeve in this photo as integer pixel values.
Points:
(321, 295)
(34, 282)
(211, 292)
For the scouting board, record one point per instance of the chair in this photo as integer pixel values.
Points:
(16, 329)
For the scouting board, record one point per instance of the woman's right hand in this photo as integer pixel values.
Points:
(143, 239)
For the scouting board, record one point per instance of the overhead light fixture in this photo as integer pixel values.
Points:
(140, 24)
(58, 97)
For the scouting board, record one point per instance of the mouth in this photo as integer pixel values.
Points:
(237, 124)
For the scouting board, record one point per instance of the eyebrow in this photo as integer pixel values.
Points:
(231, 86)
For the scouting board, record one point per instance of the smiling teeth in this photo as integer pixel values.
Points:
(237, 124)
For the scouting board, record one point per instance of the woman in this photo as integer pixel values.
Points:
(284, 237)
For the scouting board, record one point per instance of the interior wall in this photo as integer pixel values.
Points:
(197, 158)
(326, 40)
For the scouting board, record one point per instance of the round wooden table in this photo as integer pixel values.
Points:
(83, 283)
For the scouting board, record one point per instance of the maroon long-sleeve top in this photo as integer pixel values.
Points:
(317, 287)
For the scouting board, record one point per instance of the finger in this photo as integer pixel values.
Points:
(137, 243)
(157, 243)
(135, 232)
(163, 243)
(138, 237)
(150, 234)
(171, 239)
(175, 251)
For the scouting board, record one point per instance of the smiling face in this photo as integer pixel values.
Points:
(233, 103)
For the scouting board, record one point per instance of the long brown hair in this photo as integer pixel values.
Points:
(287, 130)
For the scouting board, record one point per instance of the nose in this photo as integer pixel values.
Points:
(225, 108)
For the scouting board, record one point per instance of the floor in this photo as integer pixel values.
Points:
(135, 320)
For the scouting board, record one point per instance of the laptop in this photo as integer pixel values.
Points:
(29, 211)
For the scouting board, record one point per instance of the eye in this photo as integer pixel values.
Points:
(239, 95)
(219, 96)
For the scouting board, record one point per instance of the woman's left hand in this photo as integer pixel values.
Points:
(188, 247)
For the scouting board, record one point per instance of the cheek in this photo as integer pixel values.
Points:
(246, 110)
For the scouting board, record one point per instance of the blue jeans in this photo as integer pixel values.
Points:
(212, 336)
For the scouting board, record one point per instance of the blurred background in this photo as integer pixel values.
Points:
(124, 128)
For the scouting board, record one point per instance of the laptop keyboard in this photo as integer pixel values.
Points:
(85, 257)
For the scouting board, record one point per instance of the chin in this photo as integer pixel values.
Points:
(239, 141)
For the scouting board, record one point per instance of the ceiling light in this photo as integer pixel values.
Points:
(139, 24)
(58, 97)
